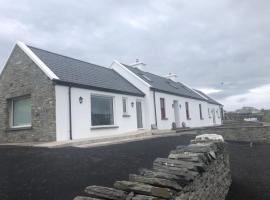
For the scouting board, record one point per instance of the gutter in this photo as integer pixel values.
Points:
(77, 85)
(70, 114)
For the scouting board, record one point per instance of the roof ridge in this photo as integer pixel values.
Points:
(67, 56)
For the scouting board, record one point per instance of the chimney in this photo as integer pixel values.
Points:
(171, 76)
(138, 64)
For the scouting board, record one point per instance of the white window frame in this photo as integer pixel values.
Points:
(11, 113)
(125, 99)
(114, 111)
(218, 113)
(201, 111)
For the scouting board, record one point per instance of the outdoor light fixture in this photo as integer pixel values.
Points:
(80, 100)
(132, 104)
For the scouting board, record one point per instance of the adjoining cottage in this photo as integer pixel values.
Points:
(45, 96)
(168, 101)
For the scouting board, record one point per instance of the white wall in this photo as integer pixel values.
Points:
(141, 85)
(194, 112)
(149, 102)
(81, 114)
(217, 110)
(62, 113)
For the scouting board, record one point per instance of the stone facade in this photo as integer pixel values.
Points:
(200, 170)
(22, 77)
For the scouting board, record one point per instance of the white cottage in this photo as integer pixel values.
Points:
(170, 103)
(45, 96)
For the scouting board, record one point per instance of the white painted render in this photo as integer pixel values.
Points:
(81, 114)
(62, 113)
(195, 120)
(141, 85)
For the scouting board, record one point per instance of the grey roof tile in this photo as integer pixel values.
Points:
(164, 84)
(70, 70)
(209, 99)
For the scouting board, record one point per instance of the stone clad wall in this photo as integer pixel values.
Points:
(198, 171)
(22, 77)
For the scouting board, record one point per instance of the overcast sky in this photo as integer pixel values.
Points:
(222, 46)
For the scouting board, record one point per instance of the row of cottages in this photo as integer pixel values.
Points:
(45, 96)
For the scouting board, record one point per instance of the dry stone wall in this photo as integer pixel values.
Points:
(199, 171)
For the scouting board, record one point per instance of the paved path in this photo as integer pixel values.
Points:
(28, 173)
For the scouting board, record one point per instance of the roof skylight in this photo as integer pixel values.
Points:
(146, 77)
(172, 84)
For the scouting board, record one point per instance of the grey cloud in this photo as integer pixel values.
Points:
(206, 43)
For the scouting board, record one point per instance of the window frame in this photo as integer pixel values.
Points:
(113, 111)
(209, 113)
(200, 110)
(187, 111)
(125, 99)
(11, 112)
(162, 103)
(218, 113)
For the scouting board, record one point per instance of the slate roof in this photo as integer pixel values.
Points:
(209, 99)
(84, 74)
(165, 85)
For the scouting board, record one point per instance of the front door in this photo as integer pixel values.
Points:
(139, 114)
(176, 113)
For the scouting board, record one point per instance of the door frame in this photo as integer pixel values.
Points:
(142, 118)
(176, 111)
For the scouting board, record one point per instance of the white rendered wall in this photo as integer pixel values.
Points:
(194, 112)
(81, 114)
(149, 102)
(141, 85)
(62, 113)
(217, 110)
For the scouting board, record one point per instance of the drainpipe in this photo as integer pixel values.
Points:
(70, 114)
(154, 97)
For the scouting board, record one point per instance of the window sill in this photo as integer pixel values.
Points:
(125, 115)
(19, 128)
(104, 127)
(164, 118)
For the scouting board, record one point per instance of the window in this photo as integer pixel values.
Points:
(146, 77)
(209, 114)
(171, 83)
(125, 111)
(218, 113)
(200, 108)
(162, 108)
(20, 112)
(187, 111)
(102, 110)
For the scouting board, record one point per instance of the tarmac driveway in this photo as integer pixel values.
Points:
(29, 173)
